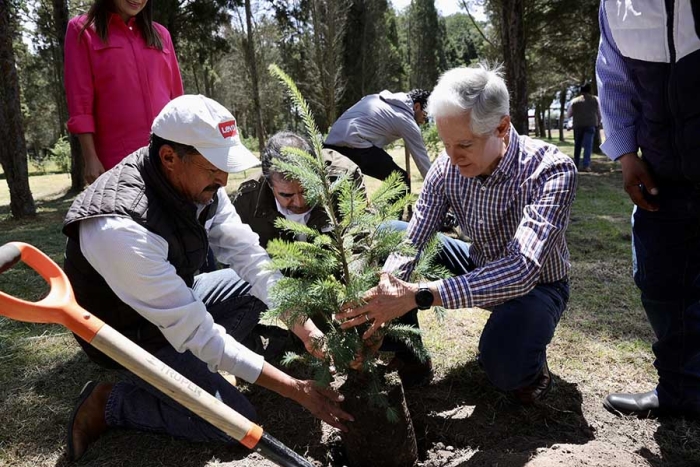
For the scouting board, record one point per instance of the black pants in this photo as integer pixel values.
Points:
(373, 161)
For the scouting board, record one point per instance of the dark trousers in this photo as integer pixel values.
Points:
(666, 248)
(373, 161)
(583, 139)
(135, 404)
(513, 344)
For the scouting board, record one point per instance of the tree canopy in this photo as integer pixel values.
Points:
(337, 51)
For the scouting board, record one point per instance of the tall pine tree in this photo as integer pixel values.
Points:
(425, 44)
(372, 60)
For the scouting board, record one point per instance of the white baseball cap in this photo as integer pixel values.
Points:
(205, 124)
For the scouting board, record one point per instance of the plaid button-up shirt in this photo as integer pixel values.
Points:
(516, 218)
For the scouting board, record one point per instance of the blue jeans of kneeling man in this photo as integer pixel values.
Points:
(135, 404)
(513, 344)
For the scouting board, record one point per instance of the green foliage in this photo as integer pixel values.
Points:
(196, 28)
(463, 44)
(39, 159)
(250, 142)
(337, 266)
(431, 138)
(372, 57)
(61, 155)
(426, 44)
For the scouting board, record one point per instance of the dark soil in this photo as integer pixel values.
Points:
(373, 439)
(460, 420)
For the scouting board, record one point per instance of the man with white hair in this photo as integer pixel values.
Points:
(512, 196)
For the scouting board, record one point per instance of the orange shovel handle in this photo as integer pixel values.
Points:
(58, 307)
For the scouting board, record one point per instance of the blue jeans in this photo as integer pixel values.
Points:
(583, 138)
(513, 344)
(666, 248)
(135, 404)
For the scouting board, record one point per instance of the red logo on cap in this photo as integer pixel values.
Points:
(228, 129)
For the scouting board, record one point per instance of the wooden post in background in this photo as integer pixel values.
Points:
(408, 165)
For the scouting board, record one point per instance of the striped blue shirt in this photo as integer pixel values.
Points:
(617, 94)
(516, 219)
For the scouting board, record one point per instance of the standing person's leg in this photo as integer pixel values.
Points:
(513, 344)
(373, 161)
(666, 247)
(587, 144)
(578, 136)
(136, 405)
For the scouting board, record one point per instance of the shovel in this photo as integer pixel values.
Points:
(60, 307)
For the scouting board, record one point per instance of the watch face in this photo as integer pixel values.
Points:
(424, 298)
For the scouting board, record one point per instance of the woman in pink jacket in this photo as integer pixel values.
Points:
(120, 71)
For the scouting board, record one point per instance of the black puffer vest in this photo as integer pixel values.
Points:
(135, 189)
(668, 131)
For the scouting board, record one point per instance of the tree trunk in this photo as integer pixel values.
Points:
(253, 68)
(60, 21)
(513, 43)
(206, 73)
(13, 150)
(196, 80)
(549, 123)
(539, 121)
(372, 439)
(562, 112)
(77, 172)
(543, 122)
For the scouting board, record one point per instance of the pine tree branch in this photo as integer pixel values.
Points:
(315, 136)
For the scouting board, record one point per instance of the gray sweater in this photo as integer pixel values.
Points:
(378, 120)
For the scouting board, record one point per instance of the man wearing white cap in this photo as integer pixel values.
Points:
(137, 238)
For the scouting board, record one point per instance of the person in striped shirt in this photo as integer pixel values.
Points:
(512, 196)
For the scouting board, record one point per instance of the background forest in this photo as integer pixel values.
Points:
(337, 51)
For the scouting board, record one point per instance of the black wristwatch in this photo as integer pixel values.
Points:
(424, 297)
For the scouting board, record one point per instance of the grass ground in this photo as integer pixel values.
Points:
(602, 344)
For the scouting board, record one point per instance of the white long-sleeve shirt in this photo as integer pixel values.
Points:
(134, 262)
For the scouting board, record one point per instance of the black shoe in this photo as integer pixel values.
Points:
(537, 390)
(643, 405)
(413, 373)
